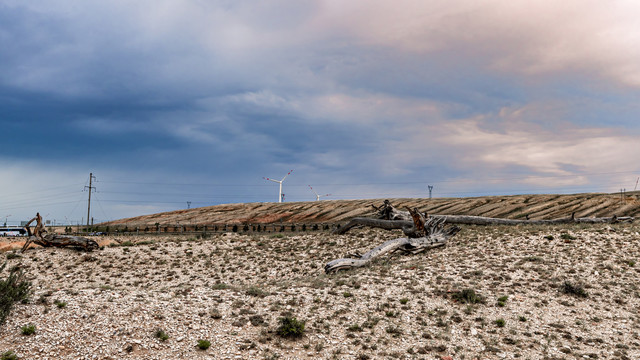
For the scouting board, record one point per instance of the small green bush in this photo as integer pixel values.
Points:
(60, 304)
(567, 236)
(500, 322)
(162, 335)
(257, 292)
(220, 286)
(393, 330)
(12, 289)
(573, 289)
(468, 296)
(28, 329)
(13, 255)
(9, 355)
(204, 344)
(290, 327)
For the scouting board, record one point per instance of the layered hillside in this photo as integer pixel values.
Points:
(332, 211)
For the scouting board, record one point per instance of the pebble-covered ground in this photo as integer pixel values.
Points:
(544, 292)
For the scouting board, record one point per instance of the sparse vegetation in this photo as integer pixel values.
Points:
(570, 288)
(204, 344)
(290, 327)
(444, 303)
(13, 255)
(161, 335)
(255, 291)
(468, 296)
(13, 289)
(9, 355)
(220, 286)
(28, 329)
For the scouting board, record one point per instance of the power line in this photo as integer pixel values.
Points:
(91, 188)
(101, 208)
(530, 177)
(41, 190)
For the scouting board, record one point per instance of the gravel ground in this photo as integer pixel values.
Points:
(547, 292)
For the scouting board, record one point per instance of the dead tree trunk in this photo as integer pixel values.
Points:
(55, 240)
(404, 225)
(432, 234)
(40, 237)
(390, 218)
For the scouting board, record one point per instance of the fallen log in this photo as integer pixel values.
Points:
(56, 240)
(404, 225)
(390, 218)
(40, 237)
(433, 234)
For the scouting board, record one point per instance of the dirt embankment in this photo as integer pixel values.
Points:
(332, 211)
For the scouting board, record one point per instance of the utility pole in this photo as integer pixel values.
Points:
(91, 188)
(430, 190)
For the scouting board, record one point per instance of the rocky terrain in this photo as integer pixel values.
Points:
(521, 292)
(332, 211)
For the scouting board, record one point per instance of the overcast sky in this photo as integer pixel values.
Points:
(167, 102)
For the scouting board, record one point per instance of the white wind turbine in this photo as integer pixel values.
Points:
(317, 196)
(279, 182)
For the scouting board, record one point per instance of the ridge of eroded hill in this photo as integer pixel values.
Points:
(548, 206)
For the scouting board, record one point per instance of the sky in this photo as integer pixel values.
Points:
(177, 104)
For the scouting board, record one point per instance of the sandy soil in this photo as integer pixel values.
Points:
(231, 289)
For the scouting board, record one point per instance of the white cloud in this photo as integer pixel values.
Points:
(541, 37)
(559, 151)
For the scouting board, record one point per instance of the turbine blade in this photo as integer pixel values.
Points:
(275, 181)
(289, 173)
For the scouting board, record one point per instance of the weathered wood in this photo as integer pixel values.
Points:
(389, 212)
(56, 240)
(434, 235)
(40, 237)
(375, 223)
(481, 220)
(390, 218)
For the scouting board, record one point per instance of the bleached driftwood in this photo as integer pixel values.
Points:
(429, 233)
(390, 218)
